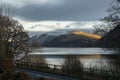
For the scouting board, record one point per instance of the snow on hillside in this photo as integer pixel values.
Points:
(50, 26)
(57, 27)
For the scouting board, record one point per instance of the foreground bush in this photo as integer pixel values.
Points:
(42, 78)
(21, 76)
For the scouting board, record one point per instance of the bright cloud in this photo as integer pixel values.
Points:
(54, 25)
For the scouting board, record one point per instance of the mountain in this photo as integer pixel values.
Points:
(51, 26)
(59, 27)
(112, 38)
(43, 38)
(69, 39)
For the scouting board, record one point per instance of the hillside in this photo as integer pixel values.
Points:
(94, 36)
(111, 39)
(73, 39)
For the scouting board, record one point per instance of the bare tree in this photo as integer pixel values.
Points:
(72, 65)
(112, 37)
(102, 29)
(112, 20)
(13, 38)
(13, 42)
(114, 15)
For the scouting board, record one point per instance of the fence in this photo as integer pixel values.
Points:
(83, 73)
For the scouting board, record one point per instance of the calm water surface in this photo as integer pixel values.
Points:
(87, 56)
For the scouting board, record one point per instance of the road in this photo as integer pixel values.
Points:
(48, 75)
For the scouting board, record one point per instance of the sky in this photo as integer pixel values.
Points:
(36, 11)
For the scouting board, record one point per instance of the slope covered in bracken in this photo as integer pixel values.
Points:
(94, 36)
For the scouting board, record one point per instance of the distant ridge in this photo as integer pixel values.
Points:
(73, 38)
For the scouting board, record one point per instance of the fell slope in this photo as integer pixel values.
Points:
(74, 39)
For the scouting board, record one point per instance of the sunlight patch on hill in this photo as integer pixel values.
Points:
(87, 34)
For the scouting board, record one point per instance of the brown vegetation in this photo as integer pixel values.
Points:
(21, 76)
(42, 78)
(12, 36)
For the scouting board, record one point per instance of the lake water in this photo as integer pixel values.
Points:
(87, 56)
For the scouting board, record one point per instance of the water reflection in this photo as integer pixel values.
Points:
(89, 57)
(86, 61)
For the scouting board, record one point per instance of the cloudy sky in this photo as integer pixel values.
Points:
(34, 11)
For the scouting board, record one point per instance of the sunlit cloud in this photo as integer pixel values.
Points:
(54, 25)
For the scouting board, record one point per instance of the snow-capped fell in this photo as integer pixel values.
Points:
(57, 27)
(53, 25)
(62, 25)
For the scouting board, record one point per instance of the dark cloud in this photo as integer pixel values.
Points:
(72, 10)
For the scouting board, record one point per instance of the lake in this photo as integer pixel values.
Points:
(87, 56)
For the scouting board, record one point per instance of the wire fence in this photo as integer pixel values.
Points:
(83, 73)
